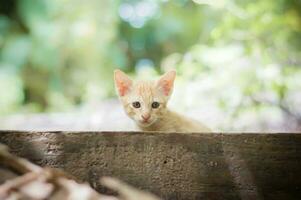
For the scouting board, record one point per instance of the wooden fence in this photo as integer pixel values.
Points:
(173, 165)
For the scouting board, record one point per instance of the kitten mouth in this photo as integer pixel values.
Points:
(145, 122)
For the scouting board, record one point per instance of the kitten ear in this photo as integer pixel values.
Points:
(165, 83)
(123, 83)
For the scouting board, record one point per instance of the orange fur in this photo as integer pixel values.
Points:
(147, 92)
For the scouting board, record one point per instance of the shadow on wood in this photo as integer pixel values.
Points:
(173, 165)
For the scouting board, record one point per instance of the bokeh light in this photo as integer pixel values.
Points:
(238, 62)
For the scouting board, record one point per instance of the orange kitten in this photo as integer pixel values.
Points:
(146, 103)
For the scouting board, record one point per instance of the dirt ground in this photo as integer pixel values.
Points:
(109, 116)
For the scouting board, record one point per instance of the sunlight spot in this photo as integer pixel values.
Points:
(126, 11)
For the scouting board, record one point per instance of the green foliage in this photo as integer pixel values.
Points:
(237, 55)
(62, 52)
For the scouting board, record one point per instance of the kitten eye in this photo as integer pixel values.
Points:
(136, 104)
(155, 104)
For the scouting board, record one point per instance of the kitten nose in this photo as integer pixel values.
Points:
(145, 117)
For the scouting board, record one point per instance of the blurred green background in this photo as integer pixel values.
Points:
(237, 60)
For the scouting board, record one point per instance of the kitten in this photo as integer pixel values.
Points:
(146, 103)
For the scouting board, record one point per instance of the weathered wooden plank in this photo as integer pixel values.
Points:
(173, 165)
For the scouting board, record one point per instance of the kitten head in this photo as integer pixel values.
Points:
(144, 101)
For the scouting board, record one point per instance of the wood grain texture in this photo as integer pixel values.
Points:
(173, 165)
